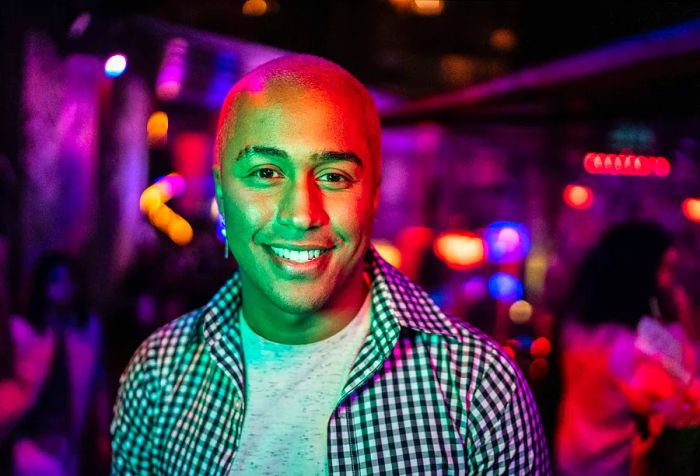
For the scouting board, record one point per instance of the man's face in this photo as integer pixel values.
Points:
(297, 187)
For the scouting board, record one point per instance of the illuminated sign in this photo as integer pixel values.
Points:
(626, 164)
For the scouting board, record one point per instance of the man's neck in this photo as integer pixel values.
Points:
(279, 325)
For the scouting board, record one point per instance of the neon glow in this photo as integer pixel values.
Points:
(115, 65)
(507, 242)
(599, 163)
(460, 250)
(152, 204)
(691, 209)
(172, 72)
(505, 287)
(578, 197)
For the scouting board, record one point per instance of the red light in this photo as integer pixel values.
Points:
(625, 164)
(460, 250)
(538, 369)
(662, 168)
(510, 351)
(578, 196)
(540, 347)
(691, 209)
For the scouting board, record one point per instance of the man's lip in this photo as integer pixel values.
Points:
(300, 246)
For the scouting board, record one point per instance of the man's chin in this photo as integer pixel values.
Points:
(299, 304)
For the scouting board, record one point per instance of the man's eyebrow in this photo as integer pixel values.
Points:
(261, 150)
(331, 156)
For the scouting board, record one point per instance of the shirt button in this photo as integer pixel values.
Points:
(237, 405)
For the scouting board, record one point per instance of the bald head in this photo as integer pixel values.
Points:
(300, 76)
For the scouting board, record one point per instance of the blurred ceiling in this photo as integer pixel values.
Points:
(414, 48)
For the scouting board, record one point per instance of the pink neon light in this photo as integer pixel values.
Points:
(599, 163)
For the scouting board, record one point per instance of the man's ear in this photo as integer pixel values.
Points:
(217, 188)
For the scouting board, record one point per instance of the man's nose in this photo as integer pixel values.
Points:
(302, 205)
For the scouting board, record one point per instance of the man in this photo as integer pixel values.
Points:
(317, 356)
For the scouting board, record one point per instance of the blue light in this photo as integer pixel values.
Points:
(505, 287)
(115, 65)
(525, 342)
(506, 242)
(220, 229)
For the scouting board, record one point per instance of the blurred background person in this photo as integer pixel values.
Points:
(58, 351)
(23, 365)
(627, 363)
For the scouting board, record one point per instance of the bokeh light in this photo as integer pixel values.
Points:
(474, 289)
(520, 312)
(389, 252)
(509, 351)
(180, 231)
(254, 8)
(157, 129)
(457, 70)
(505, 287)
(691, 209)
(172, 72)
(507, 242)
(662, 167)
(428, 7)
(578, 197)
(460, 250)
(115, 65)
(152, 204)
(538, 369)
(540, 347)
(503, 39)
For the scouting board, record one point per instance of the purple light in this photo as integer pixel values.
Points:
(115, 65)
(507, 242)
(172, 71)
(474, 289)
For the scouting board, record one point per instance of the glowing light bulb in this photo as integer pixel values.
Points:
(115, 65)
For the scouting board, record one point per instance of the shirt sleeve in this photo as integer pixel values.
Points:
(132, 425)
(506, 434)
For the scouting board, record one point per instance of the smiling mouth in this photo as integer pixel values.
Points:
(299, 256)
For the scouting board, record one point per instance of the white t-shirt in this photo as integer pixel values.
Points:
(291, 391)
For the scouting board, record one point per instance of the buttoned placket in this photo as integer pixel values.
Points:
(231, 363)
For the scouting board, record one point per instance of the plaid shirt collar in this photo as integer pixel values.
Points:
(396, 303)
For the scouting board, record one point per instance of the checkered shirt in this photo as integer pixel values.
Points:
(426, 395)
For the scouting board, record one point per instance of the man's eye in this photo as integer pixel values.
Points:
(333, 177)
(265, 173)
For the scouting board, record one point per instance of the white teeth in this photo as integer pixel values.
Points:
(298, 256)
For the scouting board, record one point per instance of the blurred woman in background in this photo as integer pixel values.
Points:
(627, 366)
(58, 344)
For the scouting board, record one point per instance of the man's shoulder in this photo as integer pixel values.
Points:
(417, 311)
(475, 350)
(176, 338)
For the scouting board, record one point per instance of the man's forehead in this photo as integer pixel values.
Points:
(282, 92)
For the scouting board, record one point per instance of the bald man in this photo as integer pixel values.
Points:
(317, 356)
